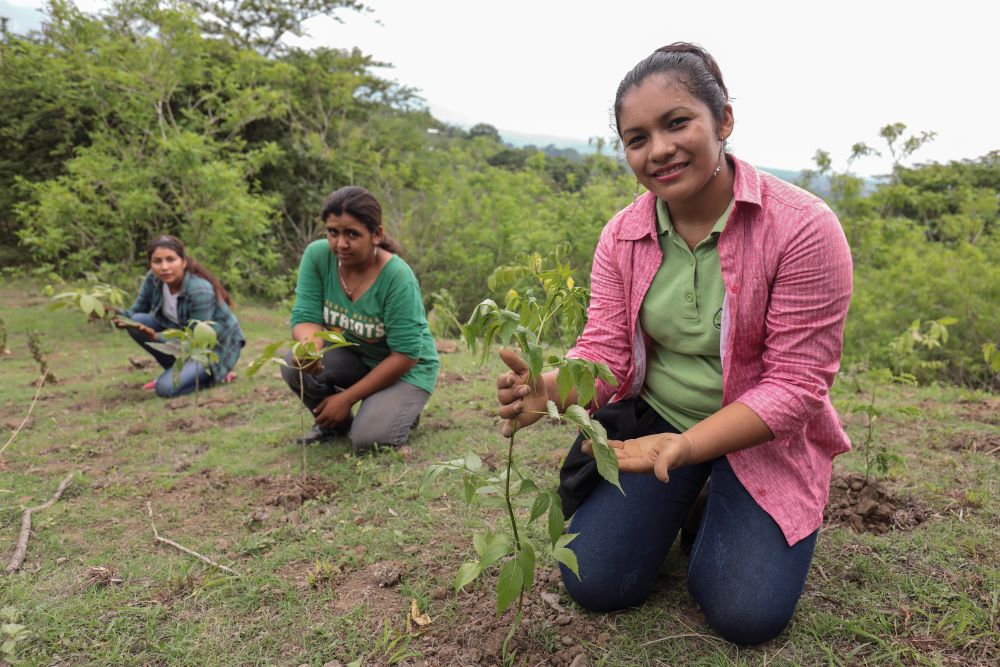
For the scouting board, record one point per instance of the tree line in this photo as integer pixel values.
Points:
(194, 118)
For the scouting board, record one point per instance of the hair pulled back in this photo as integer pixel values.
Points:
(692, 66)
(174, 243)
(361, 205)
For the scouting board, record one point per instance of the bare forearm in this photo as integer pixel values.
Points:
(731, 429)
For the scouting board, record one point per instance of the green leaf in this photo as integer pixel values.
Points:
(87, 304)
(538, 508)
(535, 360)
(467, 574)
(204, 335)
(268, 354)
(556, 521)
(491, 547)
(607, 460)
(526, 561)
(511, 583)
(472, 462)
(564, 382)
(553, 410)
(567, 558)
(526, 486)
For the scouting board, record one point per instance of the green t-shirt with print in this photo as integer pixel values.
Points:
(682, 313)
(388, 317)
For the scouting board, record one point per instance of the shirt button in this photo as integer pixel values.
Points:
(761, 492)
(690, 298)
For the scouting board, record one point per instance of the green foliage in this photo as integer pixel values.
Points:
(879, 457)
(3, 338)
(12, 633)
(98, 299)
(195, 342)
(306, 354)
(442, 318)
(539, 301)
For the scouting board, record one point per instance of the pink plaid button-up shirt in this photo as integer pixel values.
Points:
(787, 271)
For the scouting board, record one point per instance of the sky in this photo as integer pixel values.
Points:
(802, 75)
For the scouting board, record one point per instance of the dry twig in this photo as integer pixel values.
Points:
(31, 407)
(190, 552)
(21, 549)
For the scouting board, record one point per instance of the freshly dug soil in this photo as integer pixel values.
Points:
(869, 507)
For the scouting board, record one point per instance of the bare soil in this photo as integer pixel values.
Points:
(869, 506)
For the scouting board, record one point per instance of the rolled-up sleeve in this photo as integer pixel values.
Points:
(804, 324)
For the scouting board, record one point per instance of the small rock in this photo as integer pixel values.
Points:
(580, 661)
(856, 485)
(603, 638)
(440, 593)
(567, 640)
(333, 663)
(562, 619)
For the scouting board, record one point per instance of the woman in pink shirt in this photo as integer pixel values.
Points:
(736, 395)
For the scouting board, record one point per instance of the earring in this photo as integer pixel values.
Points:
(718, 167)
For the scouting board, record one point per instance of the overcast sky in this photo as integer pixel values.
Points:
(803, 75)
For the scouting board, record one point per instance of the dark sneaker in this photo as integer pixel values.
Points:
(317, 434)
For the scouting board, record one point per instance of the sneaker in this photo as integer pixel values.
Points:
(150, 386)
(317, 434)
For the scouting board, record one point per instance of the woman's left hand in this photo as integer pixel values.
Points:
(659, 453)
(332, 410)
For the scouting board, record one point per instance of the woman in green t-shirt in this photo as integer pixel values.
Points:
(355, 283)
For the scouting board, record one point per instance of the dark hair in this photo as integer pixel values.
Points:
(174, 243)
(693, 67)
(361, 205)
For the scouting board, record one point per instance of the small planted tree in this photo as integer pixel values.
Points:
(196, 342)
(40, 356)
(98, 301)
(307, 355)
(542, 305)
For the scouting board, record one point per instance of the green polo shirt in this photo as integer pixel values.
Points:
(682, 313)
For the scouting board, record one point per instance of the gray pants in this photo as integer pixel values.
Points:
(385, 417)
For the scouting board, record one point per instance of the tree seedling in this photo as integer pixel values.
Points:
(196, 342)
(307, 355)
(39, 355)
(98, 301)
(539, 302)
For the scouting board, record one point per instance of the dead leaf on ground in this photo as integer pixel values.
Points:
(416, 616)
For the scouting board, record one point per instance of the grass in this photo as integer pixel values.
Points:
(309, 591)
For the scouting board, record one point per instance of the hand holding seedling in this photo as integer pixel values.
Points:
(521, 399)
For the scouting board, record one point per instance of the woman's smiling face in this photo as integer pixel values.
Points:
(671, 140)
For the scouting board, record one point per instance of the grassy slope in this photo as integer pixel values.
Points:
(928, 596)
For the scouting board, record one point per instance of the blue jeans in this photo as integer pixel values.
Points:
(192, 376)
(742, 573)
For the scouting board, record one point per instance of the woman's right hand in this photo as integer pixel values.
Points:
(521, 400)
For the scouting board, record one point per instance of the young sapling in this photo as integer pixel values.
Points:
(307, 355)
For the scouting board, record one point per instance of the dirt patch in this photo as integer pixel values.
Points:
(870, 507)
(986, 411)
(447, 346)
(552, 633)
(290, 492)
(446, 378)
(988, 443)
